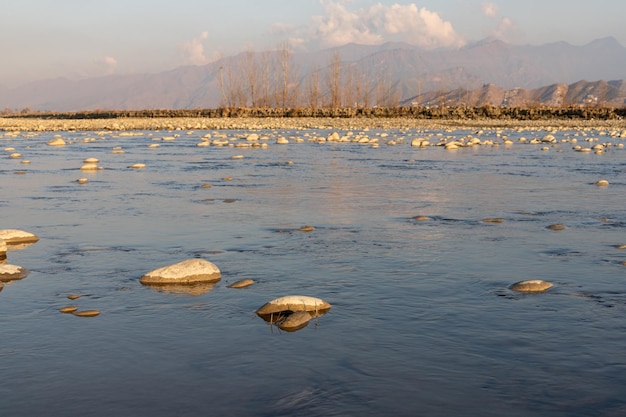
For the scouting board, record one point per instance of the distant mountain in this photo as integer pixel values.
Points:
(581, 93)
(489, 71)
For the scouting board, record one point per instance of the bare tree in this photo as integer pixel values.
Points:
(266, 79)
(285, 76)
(313, 85)
(334, 80)
(251, 72)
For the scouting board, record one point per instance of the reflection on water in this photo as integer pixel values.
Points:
(423, 320)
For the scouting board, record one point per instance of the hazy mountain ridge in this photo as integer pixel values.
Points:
(486, 72)
(581, 93)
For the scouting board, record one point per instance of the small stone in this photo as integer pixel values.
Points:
(237, 157)
(91, 161)
(68, 309)
(493, 220)
(602, 183)
(185, 272)
(89, 167)
(82, 180)
(229, 200)
(56, 142)
(534, 285)
(15, 155)
(12, 272)
(137, 166)
(228, 178)
(243, 283)
(73, 296)
(306, 229)
(421, 218)
(87, 313)
(282, 141)
(556, 227)
(25, 162)
(206, 186)
(620, 246)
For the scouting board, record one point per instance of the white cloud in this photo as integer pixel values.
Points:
(507, 30)
(192, 51)
(106, 65)
(409, 23)
(489, 9)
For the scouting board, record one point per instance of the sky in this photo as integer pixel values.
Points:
(41, 39)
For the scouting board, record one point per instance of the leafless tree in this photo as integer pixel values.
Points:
(334, 80)
(313, 84)
(251, 72)
(285, 97)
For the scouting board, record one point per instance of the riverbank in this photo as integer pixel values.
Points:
(29, 124)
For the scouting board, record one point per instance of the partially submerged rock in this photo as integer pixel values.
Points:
(86, 313)
(242, 283)
(493, 220)
(533, 285)
(3, 249)
(57, 141)
(14, 236)
(557, 226)
(185, 272)
(295, 321)
(293, 303)
(10, 272)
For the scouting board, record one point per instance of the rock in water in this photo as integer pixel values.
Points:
(14, 236)
(293, 303)
(241, 283)
(86, 313)
(533, 285)
(56, 142)
(557, 226)
(294, 321)
(12, 272)
(3, 249)
(185, 272)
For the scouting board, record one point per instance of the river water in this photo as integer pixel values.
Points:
(422, 319)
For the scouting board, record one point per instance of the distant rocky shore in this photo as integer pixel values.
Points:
(343, 118)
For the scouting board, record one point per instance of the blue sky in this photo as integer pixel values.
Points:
(85, 38)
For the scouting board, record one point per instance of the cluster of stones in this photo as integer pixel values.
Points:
(19, 239)
(13, 239)
(289, 313)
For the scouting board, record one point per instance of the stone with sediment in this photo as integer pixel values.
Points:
(186, 272)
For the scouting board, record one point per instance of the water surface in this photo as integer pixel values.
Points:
(422, 323)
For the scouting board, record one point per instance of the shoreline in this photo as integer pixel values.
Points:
(19, 124)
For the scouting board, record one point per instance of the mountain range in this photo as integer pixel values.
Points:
(486, 72)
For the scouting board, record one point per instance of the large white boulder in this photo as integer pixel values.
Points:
(186, 272)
